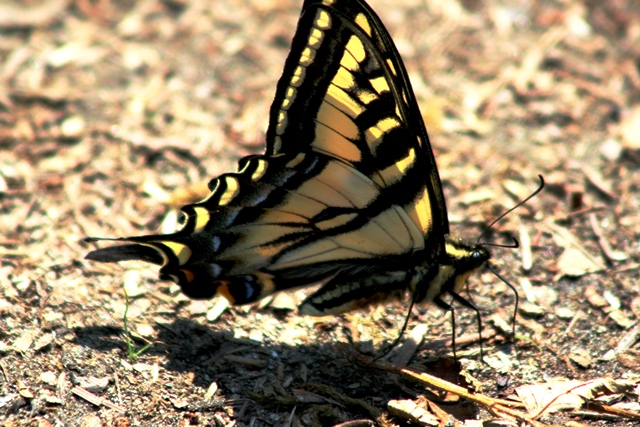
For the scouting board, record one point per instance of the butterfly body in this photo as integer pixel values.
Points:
(347, 193)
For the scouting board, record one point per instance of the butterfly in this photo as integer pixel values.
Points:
(347, 193)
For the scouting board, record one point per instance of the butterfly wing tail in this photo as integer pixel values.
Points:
(128, 252)
(196, 281)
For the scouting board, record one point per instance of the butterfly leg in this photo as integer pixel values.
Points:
(470, 305)
(395, 342)
(445, 306)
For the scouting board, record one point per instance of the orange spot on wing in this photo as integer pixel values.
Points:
(223, 289)
(188, 274)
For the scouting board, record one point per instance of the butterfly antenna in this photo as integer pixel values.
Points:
(532, 195)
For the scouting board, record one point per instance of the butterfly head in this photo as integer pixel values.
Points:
(463, 256)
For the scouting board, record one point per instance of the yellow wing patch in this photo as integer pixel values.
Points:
(354, 54)
(230, 192)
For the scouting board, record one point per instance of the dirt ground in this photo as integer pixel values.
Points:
(115, 113)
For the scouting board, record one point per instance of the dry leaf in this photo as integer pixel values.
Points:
(415, 411)
(575, 261)
(557, 395)
(24, 341)
(630, 129)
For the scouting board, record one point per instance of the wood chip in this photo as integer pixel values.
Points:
(594, 298)
(220, 305)
(43, 341)
(255, 363)
(628, 340)
(24, 390)
(409, 347)
(24, 341)
(630, 129)
(597, 180)
(211, 390)
(10, 403)
(415, 411)
(91, 384)
(621, 319)
(612, 255)
(575, 261)
(532, 309)
(525, 249)
(582, 358)
(96, 400)
(32, 15)
(49, 377)
(307, 397)
(91, 421)
(565, 313)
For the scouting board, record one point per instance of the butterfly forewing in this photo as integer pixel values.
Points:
(362, 109)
